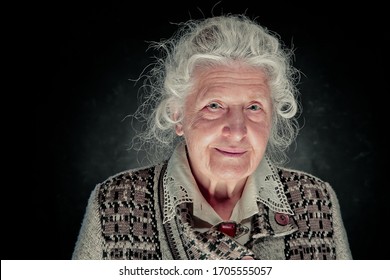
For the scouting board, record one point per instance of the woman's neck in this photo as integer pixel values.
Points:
(223, 197)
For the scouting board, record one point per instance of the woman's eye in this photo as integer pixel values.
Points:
(254, 107)
(214, 106)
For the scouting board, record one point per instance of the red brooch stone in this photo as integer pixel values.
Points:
(228, 228)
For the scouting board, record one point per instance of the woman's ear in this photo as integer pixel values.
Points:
(178, 126)
(179, 129)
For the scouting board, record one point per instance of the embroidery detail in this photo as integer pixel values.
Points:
(272, 191)
(174, 194)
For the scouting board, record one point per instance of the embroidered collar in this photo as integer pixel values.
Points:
(180, 187)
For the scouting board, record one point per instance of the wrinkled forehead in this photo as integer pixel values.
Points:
(214, 78)
(235, 66)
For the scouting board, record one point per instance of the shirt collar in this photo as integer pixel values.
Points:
(263, 185)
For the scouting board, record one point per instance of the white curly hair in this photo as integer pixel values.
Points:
(217, 40)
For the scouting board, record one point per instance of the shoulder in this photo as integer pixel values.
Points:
(303, 184)
(127, 176)
(288, 174)
(128, 183)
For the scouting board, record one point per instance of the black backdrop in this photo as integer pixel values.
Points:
(82, 133)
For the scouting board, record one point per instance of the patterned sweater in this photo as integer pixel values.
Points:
(124, 220)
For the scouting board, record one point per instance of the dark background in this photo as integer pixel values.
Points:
(88, 54)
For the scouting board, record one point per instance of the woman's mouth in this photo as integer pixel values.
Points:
(231, 152)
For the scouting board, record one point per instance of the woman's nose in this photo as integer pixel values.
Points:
(235, 124)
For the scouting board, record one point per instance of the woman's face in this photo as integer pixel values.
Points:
(227, 122)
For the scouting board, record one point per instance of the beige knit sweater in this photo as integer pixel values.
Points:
(124, 220)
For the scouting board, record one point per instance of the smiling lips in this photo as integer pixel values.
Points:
(231, 152)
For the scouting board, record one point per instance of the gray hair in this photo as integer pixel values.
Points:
(218, 40)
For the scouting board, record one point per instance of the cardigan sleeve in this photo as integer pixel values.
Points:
(89, 244)
(343, 251)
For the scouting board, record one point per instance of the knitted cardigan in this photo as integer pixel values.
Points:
(123, 220)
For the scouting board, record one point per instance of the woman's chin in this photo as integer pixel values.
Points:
(229, 173)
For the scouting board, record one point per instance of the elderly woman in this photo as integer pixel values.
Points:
(223, 104)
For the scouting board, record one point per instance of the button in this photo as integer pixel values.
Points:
(282, 219)
(228, 228)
